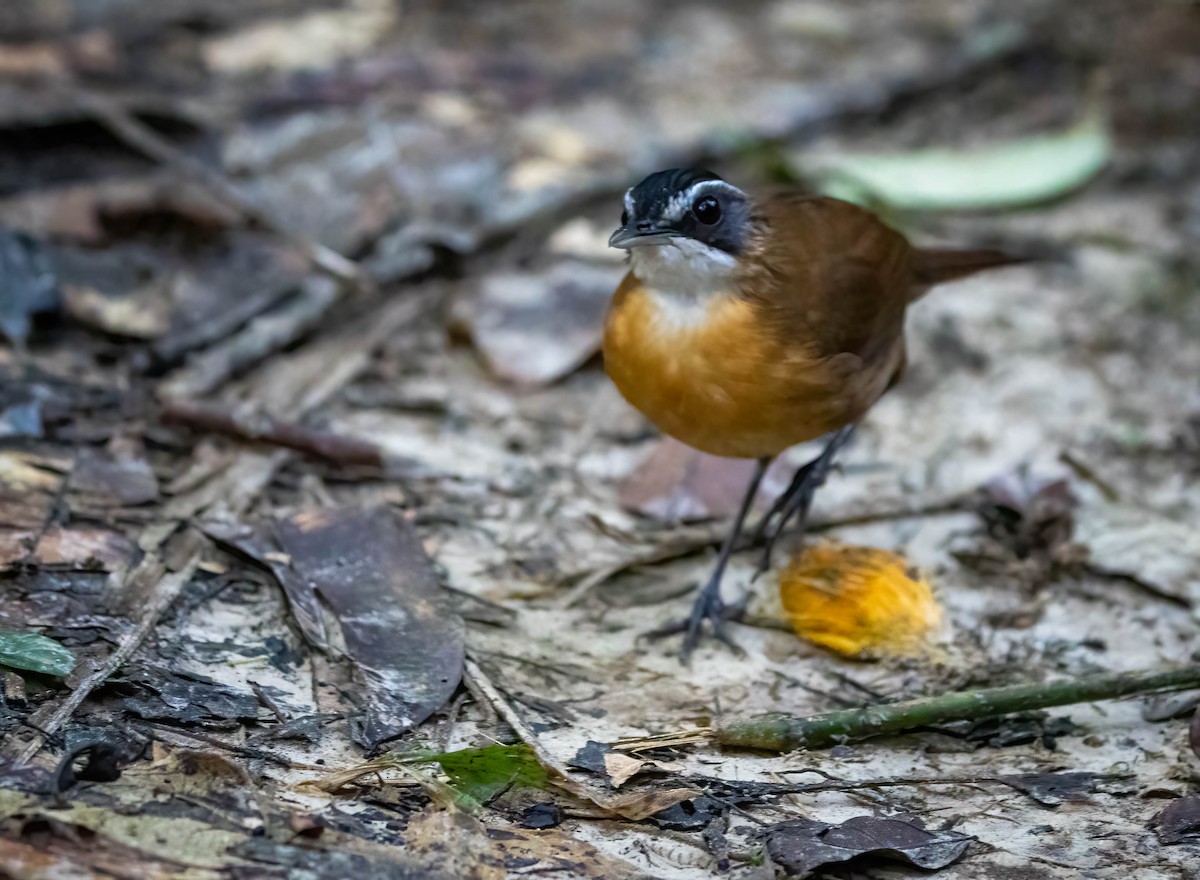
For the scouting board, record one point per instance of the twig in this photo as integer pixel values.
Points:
(697, 542)
(267, 703)
(780, 732)
(235, 748)
(263, 336)
(253, 425)
(141, 137)
(170, 349)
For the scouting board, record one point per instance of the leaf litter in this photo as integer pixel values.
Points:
(461, 164)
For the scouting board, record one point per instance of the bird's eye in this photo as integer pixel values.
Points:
(624, 218)
(707, 210)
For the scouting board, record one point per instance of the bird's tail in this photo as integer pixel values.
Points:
(935, 265)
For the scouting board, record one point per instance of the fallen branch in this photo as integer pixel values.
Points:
(253, 424)
(780, 732)
(696, 542)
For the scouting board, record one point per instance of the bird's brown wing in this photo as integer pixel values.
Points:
(831, 272)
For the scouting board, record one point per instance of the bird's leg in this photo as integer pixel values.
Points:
(708, 604)
(797, 498)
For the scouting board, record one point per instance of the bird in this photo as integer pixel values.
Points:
(747, 324)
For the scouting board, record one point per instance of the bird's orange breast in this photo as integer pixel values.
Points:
(713, 374)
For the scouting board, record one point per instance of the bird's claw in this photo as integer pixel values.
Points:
(708, 606)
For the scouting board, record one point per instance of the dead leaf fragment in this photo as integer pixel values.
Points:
(1029, 522)
(621, 768)
(1156, 550)
(28, 285)
(1051, 789)
(802, 846)
(400, 631)
(142, 315)
(455, 844)
(1180, 821)
(534, 328)
(677, 483)
(858, 601)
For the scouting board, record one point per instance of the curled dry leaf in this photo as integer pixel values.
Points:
(533, 329)
(803, 846)
(858, 601)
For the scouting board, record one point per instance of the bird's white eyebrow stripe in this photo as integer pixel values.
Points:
(682, 203)
(708, 186)
(629, 201)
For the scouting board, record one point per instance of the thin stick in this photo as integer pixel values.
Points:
(254, 425)
(262, 336)
(780, 732)
(695, 543)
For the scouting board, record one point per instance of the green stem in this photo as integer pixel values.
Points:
(780, 732)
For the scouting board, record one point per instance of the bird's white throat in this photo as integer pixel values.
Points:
(683, 267)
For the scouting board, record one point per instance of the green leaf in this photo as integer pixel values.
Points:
(478, 775)
(1004, 175)
(36, 653)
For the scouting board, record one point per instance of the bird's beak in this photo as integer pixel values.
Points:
(627, 238)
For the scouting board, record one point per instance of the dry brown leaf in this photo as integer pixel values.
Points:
(858, 601)
(621, 768)
(534, 328)
(638, 805)
(454, 843)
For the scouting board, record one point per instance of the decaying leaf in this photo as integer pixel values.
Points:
(621, 767)
(1180, 821)
(638, 805)
(533, 329)
(367, 567)
(802, 846)
(141, 315)
(1051, 789)
(29, 484)
(1005, 175)
(34, 652)
(1152, 548)
(455, 844)
(858, 601)
(120, 477)
(677, 482)
(28, 285)
(479, 775)
(77, 548)
(1028, 515)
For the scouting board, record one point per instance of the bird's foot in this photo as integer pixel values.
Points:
(708, 606)
(797, 499)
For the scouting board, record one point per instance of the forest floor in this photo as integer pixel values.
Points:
(308, 457)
